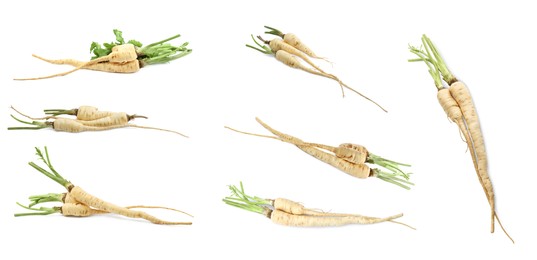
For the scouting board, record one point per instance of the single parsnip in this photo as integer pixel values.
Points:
(353, 168)
(125, 67)
(288, 55)
(288, 213)
(86, 113)
(119, 118)
(121, 56)
(457, 103)
(293, 40)
(85, 200)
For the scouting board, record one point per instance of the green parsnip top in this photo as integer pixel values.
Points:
(437, 67)
(155, 53)
(98, 50)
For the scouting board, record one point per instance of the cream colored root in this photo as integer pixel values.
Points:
(72, 62)
(159, 129)
(461, 95)
(58, 74)
(296, 208)
(294, 141)
(157, 207)
(80, 195)
(278, 44)
(74, 126)
(356, 170)
(120, 57)
(127, 48)
(454, 112)
(88, 113)
(32, 118)
(503, 229)
(68, 198)
(312, 212)
(292, 61)
(361, 171)
(128, 67)
(293, 40)
(78, 210)
(352, 153)
(115, 119)
(288, 206)
(362, 95)
(124, 65)
(284, 218)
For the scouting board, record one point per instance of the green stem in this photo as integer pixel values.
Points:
(262, 48)
(37, 125)
(391, 178)
(160, 42)
(388, 164)
(50, 197)
(437, 66)
(39, 211)
(442, 67)
(25, 128)
(164, 58)
(240, 200)
(274, 31)
(433, 70)
(162, 52)
(57, 112)
(55, 176)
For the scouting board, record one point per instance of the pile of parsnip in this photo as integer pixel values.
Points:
(121, 56)
(290, 50)
(78, 203)
(88, 118)
(290, 213)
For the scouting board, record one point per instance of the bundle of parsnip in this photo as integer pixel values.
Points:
(121, 56)
(289, 213)
(457, 103)
(289, 50)
(78, 203)
(88, 118)
(349, 158)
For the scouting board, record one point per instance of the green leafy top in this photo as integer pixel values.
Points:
(98, 50)
(38, 211)
(51, 173)
(431, 56)
(262, 48)
(158, 52)
(274, 31)
(240, 200)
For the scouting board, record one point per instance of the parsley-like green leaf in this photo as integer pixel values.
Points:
(119, 36)
(135, 43)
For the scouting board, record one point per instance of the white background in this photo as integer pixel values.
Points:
(490, 46)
